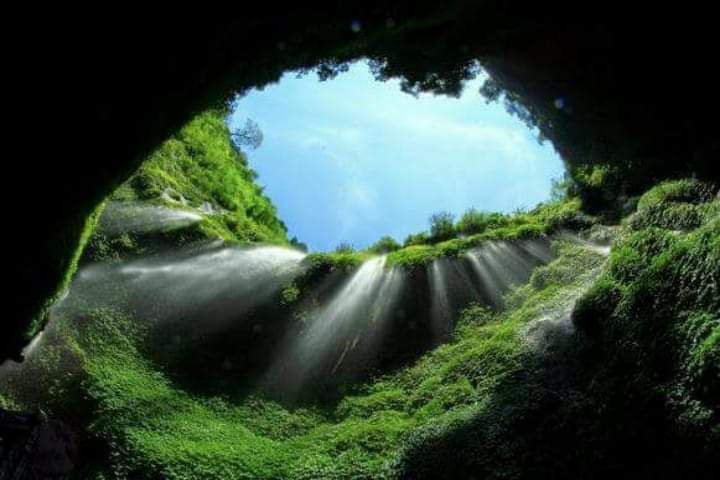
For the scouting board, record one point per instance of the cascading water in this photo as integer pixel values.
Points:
(548, 332)
(441, 312)
(451, 289)
(500, 266)
(353, 319)
(220, 284)
(126, 217)
(221, 304)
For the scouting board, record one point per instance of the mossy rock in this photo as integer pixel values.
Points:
(682, 191)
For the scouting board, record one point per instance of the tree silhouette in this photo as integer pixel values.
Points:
(249, 135)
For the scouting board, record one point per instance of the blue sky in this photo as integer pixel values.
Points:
(352, 159)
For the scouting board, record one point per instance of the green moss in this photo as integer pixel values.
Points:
(290, 294)
(7, 403)
(199, 166)
(654, 315)
(412, 256)
(381, 397)
(684, 191)
(674, 216)
(596, 305)
(342, 261)
(635, 253)
(701, 363)
(577, 256)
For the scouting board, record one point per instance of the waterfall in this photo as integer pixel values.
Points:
(213, 287)
(441, 311)
(352, 320)
(502, 265)
(129, 217)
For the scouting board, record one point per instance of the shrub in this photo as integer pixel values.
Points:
(442, 226)
(386, 244)
(474, 221)
(416, 239)
(298, 244)
(344, 247)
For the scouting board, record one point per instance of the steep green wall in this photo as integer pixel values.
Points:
(196, 171)
(200, 164)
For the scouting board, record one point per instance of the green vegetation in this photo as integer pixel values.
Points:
(676, 205)
(475, 228)
(344, 248)
(474, 221)
(386, 244)
(345, 261)
(98, 365)
(155, 427)
(657, 306)
(199, 169)
(442, 226)
(684, 190)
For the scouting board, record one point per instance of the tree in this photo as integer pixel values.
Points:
(474, 221)
(442, 226)
(416, 239)
(344, 247)
(298, 244)
(249, 135)
(386, 244)
(561, 188)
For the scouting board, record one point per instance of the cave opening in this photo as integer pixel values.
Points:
(349, 160)
(570, 365)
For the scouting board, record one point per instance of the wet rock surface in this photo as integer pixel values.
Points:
(35, 448)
